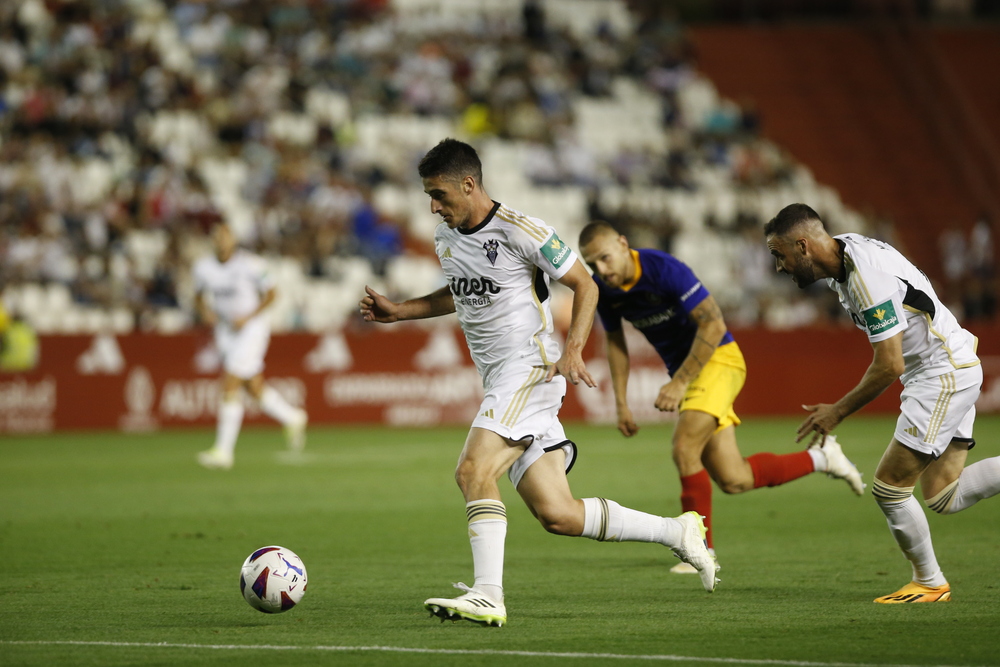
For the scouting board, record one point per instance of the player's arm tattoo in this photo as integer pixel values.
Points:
(711, 329)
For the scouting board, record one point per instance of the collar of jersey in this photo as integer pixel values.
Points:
(482, 224)
(845, 262)
(638, 272)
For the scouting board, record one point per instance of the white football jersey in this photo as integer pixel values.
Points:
(235, 286)
(886, 294)
(499, 275)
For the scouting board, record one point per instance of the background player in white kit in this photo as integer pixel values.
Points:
(498, 263)
(239, 289)
(916, 339)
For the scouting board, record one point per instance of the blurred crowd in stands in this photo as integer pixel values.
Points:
(128, 127)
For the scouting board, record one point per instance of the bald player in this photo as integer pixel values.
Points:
(661, 297)
(918, 341)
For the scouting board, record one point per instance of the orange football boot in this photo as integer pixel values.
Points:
(914, 592)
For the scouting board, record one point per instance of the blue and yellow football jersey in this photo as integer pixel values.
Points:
(658, 303)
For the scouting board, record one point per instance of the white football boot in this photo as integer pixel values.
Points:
(295, 432)
(473, 606)
(686, 568)
(838, 466)
(694, 551)
(215, 459)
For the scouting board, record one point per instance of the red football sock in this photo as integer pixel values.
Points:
(776, 469)
(696, 495)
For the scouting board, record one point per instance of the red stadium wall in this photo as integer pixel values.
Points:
(871, 118)
(398, 376)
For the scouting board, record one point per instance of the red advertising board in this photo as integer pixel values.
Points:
(400, 375)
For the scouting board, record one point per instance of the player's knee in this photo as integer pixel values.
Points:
(734, 486)
(466, 475)
(559, 520)
(686, 455)
(474, 478)
(887, 494)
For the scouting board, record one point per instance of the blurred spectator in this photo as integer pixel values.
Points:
(18, 344)
(954, 261)
(980, 299)
(129, 128)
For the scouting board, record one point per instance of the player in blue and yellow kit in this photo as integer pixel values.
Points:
(661, 297)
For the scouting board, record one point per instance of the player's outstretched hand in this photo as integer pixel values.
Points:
(571, 367)
(377, 308)
(820, 423)
(626, 424)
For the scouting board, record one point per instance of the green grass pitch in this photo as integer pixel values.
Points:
(119, 550)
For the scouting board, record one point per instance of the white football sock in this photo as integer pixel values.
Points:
(819, 459)
(977, 482)
(607, 521)
(908, 524)
(228, 427)
(487, 533)
(276, 407)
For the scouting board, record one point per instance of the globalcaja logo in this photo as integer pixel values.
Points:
(881, 317)
(556, 251)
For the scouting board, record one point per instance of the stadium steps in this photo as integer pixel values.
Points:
(845, 101)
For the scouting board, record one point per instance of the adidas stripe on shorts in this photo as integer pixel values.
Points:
(520, 405)
(937, 410)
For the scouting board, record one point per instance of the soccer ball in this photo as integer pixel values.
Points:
(273, 579)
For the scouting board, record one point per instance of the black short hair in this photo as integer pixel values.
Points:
(788, 218)
(453, 159)
(591, 231)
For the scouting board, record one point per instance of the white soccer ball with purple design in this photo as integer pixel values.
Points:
(273, 579)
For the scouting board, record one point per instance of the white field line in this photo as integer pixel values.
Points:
(469, 652)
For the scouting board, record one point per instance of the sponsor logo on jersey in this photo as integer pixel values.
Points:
(694, 288)
(653, 320)
(556, 251)
(447, 253)
(491, 250)
(881, 317)
(473, 286)
(474, 291)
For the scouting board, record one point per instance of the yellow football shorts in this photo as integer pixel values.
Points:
(715, 389)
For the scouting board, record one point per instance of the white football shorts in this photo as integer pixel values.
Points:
(522, 405)
(243, 351)
(936, 410)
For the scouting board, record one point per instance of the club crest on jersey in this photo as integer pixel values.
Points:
(491, 247)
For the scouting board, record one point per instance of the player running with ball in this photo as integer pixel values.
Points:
(498, 263)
